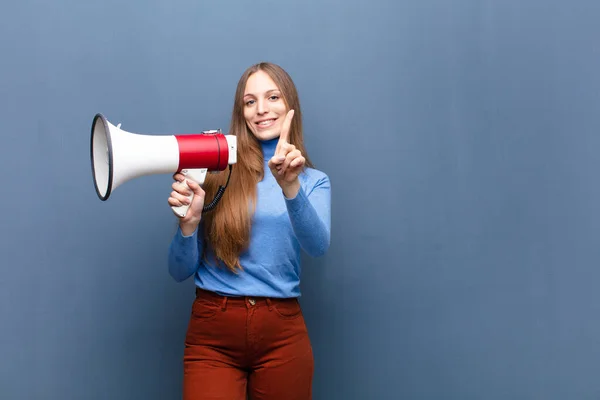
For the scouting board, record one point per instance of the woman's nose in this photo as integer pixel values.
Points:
(263, 107)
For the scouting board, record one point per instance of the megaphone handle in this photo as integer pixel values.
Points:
(198, 176)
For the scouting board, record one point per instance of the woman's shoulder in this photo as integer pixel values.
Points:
(313, 177)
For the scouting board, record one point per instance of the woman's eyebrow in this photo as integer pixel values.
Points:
(267, 92)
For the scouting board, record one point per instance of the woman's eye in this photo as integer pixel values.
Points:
(249, 102)
(274, 97)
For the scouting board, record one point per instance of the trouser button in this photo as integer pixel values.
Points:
(252, 301)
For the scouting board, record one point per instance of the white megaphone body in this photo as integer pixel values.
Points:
(118, 156)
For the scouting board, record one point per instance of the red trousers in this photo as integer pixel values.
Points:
(239, 348)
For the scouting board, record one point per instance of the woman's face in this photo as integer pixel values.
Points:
(264, 108)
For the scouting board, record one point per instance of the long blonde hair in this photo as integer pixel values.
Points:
(227, 228)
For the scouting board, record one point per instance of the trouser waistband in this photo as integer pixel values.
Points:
(241, 300)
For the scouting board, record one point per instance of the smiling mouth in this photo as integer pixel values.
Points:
(267, 122)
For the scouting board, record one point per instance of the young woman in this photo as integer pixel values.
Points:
(246, 336)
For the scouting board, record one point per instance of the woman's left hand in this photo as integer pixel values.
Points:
(287, 162)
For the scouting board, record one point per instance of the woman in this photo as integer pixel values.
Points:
(246, 335)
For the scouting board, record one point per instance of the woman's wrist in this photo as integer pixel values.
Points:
(290, 190)
(188, 228)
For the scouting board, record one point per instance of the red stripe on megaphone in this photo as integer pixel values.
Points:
(203, 151)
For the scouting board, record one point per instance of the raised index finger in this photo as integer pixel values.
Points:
(285, 129)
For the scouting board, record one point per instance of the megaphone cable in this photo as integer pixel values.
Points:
(210, 206)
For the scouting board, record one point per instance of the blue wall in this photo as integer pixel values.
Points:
(462, 140)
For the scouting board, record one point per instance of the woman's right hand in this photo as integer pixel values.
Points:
(179, 197)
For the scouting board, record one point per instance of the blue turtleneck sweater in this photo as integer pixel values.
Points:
(281, 228)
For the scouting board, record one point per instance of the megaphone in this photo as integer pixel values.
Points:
(118, 156)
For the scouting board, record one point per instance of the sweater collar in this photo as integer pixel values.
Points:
(268, 148)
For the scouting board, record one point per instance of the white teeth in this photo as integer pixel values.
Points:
(267, 122)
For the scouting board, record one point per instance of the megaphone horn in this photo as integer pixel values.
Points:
(118, 156)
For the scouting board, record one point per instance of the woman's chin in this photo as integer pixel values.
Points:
(266, 134)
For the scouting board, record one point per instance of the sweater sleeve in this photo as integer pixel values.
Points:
(310, 215)
(184, 255)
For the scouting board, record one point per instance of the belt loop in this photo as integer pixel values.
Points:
(224, 304)
(270, 304)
